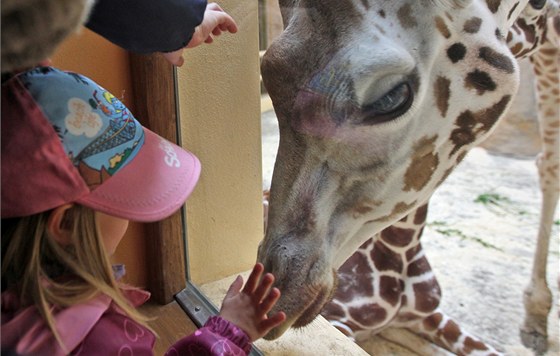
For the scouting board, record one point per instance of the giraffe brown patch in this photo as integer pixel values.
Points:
(442, 94)
(480, 81)
(385, 259)
(398, 210)
(333, 311)
(442, 27)
(397, 236)
(516, 49)
(456, 52)
(427, 295)
(432, 322)
(423, 165)
(493, 5)
(496, 59)
(409, 255)
(472, 25)
(418, 267)
(471, 125)
(354, 279)
(472, 344)
(406, 17)
(421, 214)
(390, 290)
(368, 314)
(451, 332)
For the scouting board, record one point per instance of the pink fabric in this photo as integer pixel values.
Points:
(99, 327)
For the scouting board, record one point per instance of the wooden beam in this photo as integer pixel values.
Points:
(153, 85)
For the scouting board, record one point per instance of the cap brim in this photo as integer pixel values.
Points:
(154, 185)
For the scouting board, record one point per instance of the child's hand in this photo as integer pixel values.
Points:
(247, 308)
(215, 21)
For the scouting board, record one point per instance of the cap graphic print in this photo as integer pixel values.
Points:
(67, 139)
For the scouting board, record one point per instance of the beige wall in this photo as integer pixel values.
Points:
(220, 117)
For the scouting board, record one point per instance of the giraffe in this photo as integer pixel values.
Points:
(357, 315)
(537, 296)
(376, 102)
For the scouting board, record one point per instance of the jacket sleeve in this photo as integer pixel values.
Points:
(217, 337)
(147, 26)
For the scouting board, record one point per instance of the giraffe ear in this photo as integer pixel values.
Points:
(453, 4)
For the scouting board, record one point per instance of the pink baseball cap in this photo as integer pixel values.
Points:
(65, 139)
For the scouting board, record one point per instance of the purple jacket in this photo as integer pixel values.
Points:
(99, 327)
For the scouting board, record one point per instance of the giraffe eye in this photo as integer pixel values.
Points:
(537, 4)
(392, 105)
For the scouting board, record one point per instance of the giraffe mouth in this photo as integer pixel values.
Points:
(311, 308)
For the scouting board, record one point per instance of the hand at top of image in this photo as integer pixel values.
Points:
(215, 21)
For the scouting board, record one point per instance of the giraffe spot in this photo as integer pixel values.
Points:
(456, 52)
(385, 259)
(472, 344)
(451, 332)
(355, 279)
(516, 49)
(493, 5)
(333, 311)
(421, 214)
(472, 25)
(432, 322)
(423, 165)
(390, 289)
(368, 314)
(418, 267)
(409, 255)
(496, 60)
(442, 94)
(427, 295)
(442, 27)
(471, 125)
(480, 81)
(400, 209)
(405, 16)
(397, 236)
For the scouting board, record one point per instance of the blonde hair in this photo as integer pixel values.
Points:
(32, 261)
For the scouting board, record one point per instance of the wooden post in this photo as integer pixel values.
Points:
(153, 84)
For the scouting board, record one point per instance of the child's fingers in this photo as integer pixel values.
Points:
(253, 279)
(214, 6)
(264, 286)
(235, 287)
(269, 301)
(268, 324)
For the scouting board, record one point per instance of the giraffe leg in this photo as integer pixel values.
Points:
(445, 332)
(537, 296)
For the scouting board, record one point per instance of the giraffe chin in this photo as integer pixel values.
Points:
(308, 314)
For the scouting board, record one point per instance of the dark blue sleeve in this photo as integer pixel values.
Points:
(147, 26)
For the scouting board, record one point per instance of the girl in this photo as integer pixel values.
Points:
(76, 167)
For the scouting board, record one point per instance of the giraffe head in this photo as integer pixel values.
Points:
(377, 102)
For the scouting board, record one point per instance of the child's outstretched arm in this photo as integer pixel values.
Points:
(248, 308)
(215, 21)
